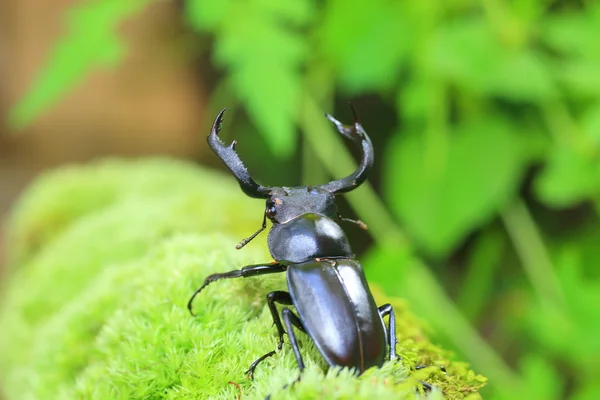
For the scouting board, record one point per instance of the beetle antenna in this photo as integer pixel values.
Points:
(249, 238)
(358, 222)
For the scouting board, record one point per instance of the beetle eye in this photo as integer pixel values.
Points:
(270, 211)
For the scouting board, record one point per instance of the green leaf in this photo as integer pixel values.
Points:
(573, 34)
(570, 332)
(472, 56)
(569, 177)
(483, 264)
(366, 42)
(441, 200)
(416, 98)
(541, 379)
(259, 43)
(207, 15)
(91, 41)
(580, 76)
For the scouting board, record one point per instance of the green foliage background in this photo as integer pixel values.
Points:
(488, 132)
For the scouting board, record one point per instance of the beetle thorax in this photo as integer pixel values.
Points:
(308, 237)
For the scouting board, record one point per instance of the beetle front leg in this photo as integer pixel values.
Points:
(245, 272)
(384, 310)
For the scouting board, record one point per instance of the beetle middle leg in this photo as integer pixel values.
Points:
(280, 297)
(384, 310)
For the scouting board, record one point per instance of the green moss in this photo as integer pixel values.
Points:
(106, 258)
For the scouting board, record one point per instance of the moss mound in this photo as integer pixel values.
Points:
(104, 258)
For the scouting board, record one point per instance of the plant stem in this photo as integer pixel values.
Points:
(533, 254)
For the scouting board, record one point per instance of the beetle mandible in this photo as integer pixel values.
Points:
(326, 284)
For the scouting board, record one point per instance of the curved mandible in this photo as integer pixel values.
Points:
(356, 133)
(229, 156)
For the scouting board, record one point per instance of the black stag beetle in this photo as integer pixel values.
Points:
(326, 284)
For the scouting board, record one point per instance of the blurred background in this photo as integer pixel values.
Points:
(483, 205)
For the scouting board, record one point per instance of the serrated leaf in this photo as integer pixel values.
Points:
(366, 42)
(441, 200)
(470, 55)
(568, 178)
(259, 44)
(91, 41)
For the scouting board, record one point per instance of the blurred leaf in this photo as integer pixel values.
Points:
(366, 42)
(207, 15)
(388, 266)
(571, 334)
(570, 33)
(469, 54)
(568, 178)
(260, 44)
(91, 41)
(591, 122)
(416, 98)
(541, 379)
(581, 77)
(479, 281)
(442, 200)
(588, 390)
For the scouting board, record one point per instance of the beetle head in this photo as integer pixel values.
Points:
(286, 204)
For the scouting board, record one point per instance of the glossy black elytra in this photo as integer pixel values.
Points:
(326, 284)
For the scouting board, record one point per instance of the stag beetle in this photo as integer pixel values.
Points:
(326, 284)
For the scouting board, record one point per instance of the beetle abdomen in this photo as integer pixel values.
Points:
(308, 237)
(338, 312)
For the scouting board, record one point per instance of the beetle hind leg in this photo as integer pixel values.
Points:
(384, 310)
(290, 319)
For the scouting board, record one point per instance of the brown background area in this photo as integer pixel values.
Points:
(152, 103)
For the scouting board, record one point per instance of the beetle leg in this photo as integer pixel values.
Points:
(245, 272)
(280, 297)
(290, 319)
(384, 310)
